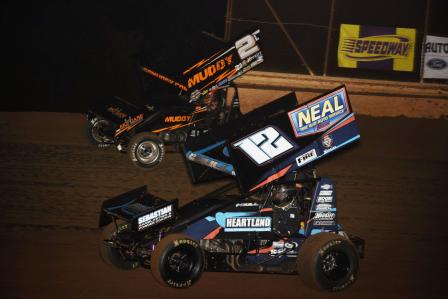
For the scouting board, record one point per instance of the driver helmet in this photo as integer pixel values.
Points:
(283, 194)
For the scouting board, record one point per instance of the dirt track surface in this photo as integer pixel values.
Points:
(391, 191)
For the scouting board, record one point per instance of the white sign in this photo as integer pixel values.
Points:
(435, 63)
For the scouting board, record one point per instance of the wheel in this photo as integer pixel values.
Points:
(99, 131)
(146, 150)
(120, 257)
(327, 261)
(177, 261)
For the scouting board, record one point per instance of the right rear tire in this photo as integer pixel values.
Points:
(328, 262)
(146, 150)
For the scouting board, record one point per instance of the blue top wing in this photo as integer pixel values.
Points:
(278, 138)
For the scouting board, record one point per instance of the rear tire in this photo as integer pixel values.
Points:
(177, 261)
(146, 150)
(328, 262)
(99, 131)
(112, 254)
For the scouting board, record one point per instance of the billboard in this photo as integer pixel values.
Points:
(380, 48)
(435, 59)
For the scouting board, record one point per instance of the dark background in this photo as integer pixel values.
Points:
(64, 55)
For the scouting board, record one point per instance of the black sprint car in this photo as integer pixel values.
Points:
(144, 130)
(284, 219)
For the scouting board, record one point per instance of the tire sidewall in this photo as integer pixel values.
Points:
(136, 141)
(311, 254)
(162, 273)
(91, 123)
(345, 247)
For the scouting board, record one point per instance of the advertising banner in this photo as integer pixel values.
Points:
(381, 48)
(435, 63)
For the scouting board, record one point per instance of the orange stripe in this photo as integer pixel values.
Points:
(175, 126)
(213, 234)
(125, 129)
(346, 122)
(266, 210)
(273, 177)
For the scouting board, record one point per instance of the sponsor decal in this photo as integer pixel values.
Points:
(306, 157)
(325, 199)
(326, 192)
(326, 187)
(117, 111)
(246, 224)
(324, 207)
(179, 118)
(210, 71)
(264, 145)
(316, 116)
(373, 47)
(129, 123)
(247, 204)
(155, 217)
(163, 78)
(435, 64)
(281, 247)
(324, 216)
(324, 222)
(327, 141)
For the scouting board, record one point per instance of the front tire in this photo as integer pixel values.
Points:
(113, 254)
(328, 262)
(146, 150)
(99, 131)
(177, 261)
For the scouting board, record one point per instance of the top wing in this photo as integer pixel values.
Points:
(278, 139)
(224, 66)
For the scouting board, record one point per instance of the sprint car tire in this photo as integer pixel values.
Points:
(328, 262)
(177, 261)
(98, 131)
(146, 150)
(112, 255)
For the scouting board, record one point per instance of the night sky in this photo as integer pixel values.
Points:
(65, 55)
(62, 55)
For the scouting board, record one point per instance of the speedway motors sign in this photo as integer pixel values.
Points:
(371, 47)
(435, 64)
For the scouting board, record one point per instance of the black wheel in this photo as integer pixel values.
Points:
(116, 246)
(146, 150)
(177, 261)
(99, 131)
(327, 261)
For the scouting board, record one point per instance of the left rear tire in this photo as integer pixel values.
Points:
(177, 261)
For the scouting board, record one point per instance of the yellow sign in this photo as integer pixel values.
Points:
(371, 47)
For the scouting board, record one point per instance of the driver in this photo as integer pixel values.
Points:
(283, 195)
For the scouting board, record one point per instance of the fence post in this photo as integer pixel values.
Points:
(228, 21)
(425, 32)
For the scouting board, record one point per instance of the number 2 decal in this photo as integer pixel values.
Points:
(247, 45)
(264, 145)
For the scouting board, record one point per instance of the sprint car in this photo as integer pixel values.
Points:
(283, 219)
(143, 131)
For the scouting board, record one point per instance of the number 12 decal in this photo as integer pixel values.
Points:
(247, 45)
(263, 145)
